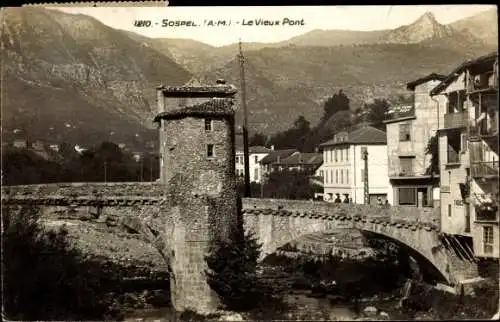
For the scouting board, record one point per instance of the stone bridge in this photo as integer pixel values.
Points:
(275, 222)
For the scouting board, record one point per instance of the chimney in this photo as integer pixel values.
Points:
(272, 147)
(220, 81)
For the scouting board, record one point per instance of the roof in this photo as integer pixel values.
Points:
(253, 149)
(273, 155)
(411, 85)
(303, 158)
(199, 91)
(259, 149)
(214, 107)
(364, 135)
(458, 70)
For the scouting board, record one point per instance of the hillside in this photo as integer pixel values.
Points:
(71, 77)
(298, 79)
(484, 26)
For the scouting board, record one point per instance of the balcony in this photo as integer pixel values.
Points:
(484, 169)
(486, 207)
(455, 120)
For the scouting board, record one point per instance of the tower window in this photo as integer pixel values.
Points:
(208, 124)
(210, 150)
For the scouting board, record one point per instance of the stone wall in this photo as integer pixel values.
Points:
(411, 214)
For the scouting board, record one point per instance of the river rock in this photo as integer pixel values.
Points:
(384, 315)
(370, 310)
(230, 316)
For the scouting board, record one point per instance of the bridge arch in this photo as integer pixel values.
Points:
(280, 225)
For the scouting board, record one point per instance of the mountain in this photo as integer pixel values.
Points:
(283, 83)
(483, 26)
(71, 77)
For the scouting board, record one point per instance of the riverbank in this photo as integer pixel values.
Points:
(342, 288)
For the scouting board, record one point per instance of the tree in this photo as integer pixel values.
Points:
(338, 102)
(258, 139)
(44, 277)
(289, 185)
(432, 149)
(377, 112)
(232, 272)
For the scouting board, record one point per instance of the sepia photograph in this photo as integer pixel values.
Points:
(248, 163)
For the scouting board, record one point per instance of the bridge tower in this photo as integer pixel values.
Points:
(196, 133)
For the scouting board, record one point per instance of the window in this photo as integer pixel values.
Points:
(321, 173)
(404, 132)
(341, 155)
(347, 176)
(325, 156)
(256, 159)
(342, 176)
(407, 196)
(256, 174)
(347, 154)
(336, 176)
(331, 155)
(210, 150)
(326, 177)
(336, 155)
(449, 210)
(362, 175)
(406, 166)
(488, 239)
(454, 139)
(208, 124)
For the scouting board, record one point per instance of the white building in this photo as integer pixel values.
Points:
(256, 154)
(344, 168)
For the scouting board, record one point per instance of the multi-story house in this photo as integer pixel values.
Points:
(468, 144)
(255, 155)
(344, 166)
(271, 162)
(305, 162)
(412, 180)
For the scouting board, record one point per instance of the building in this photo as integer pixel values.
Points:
(468, 144)
(196, 136)
(305, 162)
(271, 161)
(256, 154)
(344, 167)
(412, 180)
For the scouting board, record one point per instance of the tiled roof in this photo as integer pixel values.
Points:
(303, 158)
(273, 155)
(411, 85)
(259, 149)
(252, 149)
(457, 71)
(199, 91)
(364, 135)
(214, 107)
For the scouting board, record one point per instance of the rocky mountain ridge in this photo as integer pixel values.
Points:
(65, 69)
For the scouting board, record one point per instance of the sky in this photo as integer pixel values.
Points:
(313, 17)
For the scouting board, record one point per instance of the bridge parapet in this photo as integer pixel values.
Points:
(394, 214)
(84, 191)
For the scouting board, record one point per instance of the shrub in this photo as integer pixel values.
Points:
(44, 278)
(232, 272)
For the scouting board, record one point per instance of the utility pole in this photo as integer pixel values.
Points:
(364, 155)
(105, 171)
(246, 156)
